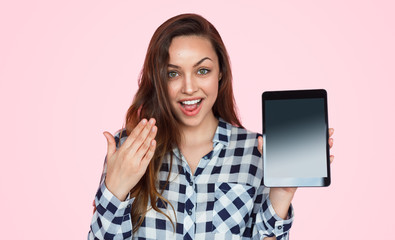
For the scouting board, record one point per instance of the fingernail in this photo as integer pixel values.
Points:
(153, 129)
(151, 121)
(144, 121)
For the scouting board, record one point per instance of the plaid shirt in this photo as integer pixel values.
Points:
(224, 199)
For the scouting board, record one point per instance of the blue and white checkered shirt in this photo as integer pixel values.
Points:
(224, 199)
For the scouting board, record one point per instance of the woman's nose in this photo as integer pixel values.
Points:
(189, 85)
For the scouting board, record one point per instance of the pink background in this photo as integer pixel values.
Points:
(68, 72)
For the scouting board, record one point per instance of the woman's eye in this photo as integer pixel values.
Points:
(172, 74)
(203, 71)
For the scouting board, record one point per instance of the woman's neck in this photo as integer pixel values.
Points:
(201, 134)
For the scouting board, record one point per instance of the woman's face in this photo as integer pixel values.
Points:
(193, 76)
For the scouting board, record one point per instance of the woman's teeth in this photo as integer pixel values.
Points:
(192, 102)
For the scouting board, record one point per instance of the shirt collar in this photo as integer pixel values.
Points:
(222, 135)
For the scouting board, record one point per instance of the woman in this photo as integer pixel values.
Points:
(184, 167)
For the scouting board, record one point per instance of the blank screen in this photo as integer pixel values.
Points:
(295, 138)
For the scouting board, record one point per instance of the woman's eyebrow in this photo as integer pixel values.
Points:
(202, 60)
(196, 64)
(172, 66)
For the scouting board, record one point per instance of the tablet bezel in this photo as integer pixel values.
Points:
(295, 182)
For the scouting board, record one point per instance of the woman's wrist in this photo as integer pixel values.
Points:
(281, 199)
(120, 194)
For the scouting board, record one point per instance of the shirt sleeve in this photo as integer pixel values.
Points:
(269, 224)
(111, 218)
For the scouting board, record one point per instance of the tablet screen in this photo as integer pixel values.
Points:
(295, 139)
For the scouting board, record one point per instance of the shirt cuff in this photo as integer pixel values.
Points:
(275, 225)
(110, 207)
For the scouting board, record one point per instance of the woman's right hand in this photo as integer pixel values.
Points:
(127, 165)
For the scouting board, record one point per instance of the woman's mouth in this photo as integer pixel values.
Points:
(191, 107)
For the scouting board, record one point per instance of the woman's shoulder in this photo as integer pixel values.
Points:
(246, 132)
(238, 137)
(238, 133)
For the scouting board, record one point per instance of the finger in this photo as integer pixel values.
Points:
(111, 145)
(135, 133)
(94, 206)
(332, 158)
(139, 140)
(330, 141)
(260, 144)
(146, 144)
(148, 156)
(331, 131)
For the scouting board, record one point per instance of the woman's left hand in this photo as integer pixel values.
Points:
(281, 197)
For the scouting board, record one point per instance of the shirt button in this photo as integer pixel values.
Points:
(279, 227)
(190, 183)
(190, 212)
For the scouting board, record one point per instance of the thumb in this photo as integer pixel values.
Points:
(111, 145)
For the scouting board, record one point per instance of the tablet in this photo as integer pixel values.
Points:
(295, 138)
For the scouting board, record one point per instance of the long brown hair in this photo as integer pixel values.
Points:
(151, 100)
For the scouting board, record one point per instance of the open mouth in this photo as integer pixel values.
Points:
(191, 102)
(191, 107)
